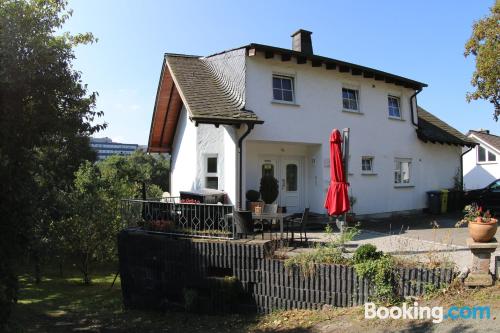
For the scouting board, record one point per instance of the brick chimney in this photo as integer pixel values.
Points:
(301, 41)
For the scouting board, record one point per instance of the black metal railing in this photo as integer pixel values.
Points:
(171, 216)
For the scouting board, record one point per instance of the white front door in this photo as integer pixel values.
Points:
(291, 189)
(289, 173)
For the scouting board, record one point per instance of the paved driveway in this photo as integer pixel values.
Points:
(422, 237)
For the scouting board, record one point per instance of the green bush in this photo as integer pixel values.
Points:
(269, 189)
(379, 271)
(252, 195)
(366, 252)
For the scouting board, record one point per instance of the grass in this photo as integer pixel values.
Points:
(65, 304)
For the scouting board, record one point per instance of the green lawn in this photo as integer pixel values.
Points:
(65, 304)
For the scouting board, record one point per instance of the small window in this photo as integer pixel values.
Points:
(212, 182)
(484, 155)
(367, 164)
(350, 99)
(212, 164)
(394, 107)
(211, 172)
(402, 171)
(283, 89)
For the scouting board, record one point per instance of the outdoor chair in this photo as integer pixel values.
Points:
(298, 224)
(268, 208)
(243, 223)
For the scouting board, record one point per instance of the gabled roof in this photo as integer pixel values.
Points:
(489, 139)
(190, 81)
(432, 129)
(204, 93)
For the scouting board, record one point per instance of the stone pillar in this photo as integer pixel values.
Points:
(481, 256)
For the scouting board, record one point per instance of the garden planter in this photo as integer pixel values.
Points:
(481, 231)
(256, 204)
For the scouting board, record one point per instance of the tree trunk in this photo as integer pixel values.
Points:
(38, 271)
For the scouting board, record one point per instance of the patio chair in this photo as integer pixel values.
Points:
(269, 208)
(298, 224)
(243, 223)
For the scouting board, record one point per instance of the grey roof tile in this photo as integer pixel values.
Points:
(491, 139)
(207, 94)
(431, 128)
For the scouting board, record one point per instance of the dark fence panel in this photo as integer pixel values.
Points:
(158, 270)
(177, 218)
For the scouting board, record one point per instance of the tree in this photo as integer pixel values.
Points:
(87, 233)
(484, 44)
(46, 115)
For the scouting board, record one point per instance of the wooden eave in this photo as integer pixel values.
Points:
(166, 113)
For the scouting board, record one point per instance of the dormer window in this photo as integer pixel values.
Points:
(485, 156)
(283, 89)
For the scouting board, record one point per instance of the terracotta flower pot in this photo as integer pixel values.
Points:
(482, 232)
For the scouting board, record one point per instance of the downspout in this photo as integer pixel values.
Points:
(414, 96)
(240, 151)
(462, 166)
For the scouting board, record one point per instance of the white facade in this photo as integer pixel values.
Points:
(192, 146)
(294, 141)
(301, 131)
(478, 174)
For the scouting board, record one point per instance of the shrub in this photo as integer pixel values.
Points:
(252, 195)
(269, 189)
(366, 252)
(379, 271)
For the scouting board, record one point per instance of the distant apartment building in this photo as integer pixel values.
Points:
(105, 147)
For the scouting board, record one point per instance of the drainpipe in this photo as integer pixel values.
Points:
(462, 166)
(414, 96)
(240, 151)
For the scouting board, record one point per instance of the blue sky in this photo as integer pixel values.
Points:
(421, 40)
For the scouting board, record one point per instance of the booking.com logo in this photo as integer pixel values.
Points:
(436, 313)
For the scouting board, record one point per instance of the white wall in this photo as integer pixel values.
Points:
(184, 157)
(479, 175)
(191, 147)
(318, 110)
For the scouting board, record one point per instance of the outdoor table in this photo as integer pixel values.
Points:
(272, 216)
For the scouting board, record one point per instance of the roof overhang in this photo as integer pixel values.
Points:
(168, 105)
(166, 113)
(332, 64)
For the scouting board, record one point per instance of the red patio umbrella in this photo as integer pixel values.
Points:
(337, 198)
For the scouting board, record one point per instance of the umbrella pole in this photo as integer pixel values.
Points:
(345, 153)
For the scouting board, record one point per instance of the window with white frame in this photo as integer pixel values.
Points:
(367, 164)
(402, 171)
(211, 172)
(394, 104)
(350, 99)
(283, 88)
(485, 156)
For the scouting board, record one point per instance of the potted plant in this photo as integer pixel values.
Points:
(482, 226)
(253, 199)
(269, 189)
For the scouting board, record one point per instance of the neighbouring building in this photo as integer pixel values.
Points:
(105, 147)
(228, 118)
(480, 164)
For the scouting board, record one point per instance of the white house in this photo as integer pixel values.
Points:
(480, 164)
(230, 117)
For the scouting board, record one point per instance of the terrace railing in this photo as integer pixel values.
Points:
(171, 216)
